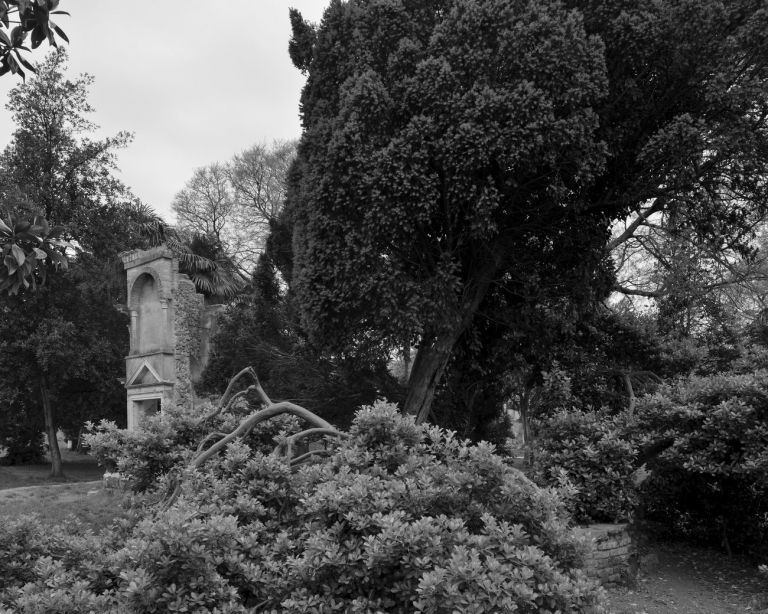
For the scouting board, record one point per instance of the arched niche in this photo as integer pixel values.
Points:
(150, 322)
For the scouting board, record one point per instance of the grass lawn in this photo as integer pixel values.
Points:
(28, 489)
(54, 503)
(77, 468)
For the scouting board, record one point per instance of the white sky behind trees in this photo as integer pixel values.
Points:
(196, 82)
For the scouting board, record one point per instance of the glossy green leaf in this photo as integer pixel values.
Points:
(39, 34)
(18, 254)
(24, 62)
(60, 32)
(11, 264)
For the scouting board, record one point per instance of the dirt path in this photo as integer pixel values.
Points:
(679, 579)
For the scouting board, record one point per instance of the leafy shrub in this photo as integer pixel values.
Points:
(29, 549)
(712, 483)
(591, 451)
(166, 441)
(400, 518)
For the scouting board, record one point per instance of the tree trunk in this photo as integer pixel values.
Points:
(428, 369)
(435, 351)
(50, 429)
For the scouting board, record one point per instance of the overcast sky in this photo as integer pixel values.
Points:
(196, 82)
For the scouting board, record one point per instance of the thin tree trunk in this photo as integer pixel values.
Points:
(525, 404)
(50, 429)
(632, 400)
(406, 363)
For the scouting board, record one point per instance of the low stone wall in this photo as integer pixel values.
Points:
(612, 558)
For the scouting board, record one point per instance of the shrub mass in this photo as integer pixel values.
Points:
(399, 518)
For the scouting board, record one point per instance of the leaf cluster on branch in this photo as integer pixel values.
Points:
(26, 249)
(19, 18)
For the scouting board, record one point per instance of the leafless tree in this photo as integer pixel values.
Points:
(234, 202)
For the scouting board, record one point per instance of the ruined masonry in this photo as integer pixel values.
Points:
(170, 332)
(612, 557)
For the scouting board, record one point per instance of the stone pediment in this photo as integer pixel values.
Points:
(145, 375)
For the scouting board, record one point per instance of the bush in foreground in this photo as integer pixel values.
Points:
(399, 518)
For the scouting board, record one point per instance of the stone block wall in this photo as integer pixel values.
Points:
(613, 557)
(188, 311)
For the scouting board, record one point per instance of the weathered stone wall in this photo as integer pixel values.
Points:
(188, 312)
(612, 558)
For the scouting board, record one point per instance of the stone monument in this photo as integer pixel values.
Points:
(170, 330)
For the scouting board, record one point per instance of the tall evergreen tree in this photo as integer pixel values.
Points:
(452, 147)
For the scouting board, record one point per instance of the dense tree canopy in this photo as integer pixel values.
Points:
(460, 153)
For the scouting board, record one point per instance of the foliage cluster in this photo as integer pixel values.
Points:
(166, 441)
(29, 16)
(261, 330)
(62, 350)
(711, 484)
(28, 546)
(462, 163)
(591, 450)
(25, 247)
(400, 518)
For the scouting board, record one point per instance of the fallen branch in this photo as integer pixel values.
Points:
(227, 401)
(285, 449)
(300, 460)
(207, 439)
(250, 422)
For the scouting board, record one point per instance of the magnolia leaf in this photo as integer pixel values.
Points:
(39, 254)
(39, 34)
(11, 264)
(21, 227)
(5, 229)
(17, 36)
(18, 254)
(4, 39)
(25, 63)
(60, 32)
